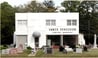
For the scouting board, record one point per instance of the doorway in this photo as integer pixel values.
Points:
(36, 41)
(56, 40)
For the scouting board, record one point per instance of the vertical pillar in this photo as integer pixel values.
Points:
(95, 43)
(61, 40)
(76, 38)
(14, 39)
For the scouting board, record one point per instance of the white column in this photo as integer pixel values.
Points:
(61, 40)
(78, 39)
(95, 43)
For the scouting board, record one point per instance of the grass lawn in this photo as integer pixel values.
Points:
(56, 53)
(92, 53)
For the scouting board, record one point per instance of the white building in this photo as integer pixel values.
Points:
(39, 29)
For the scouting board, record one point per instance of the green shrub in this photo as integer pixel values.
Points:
(40, 53)
(3, 47)
(27, 51)
(29, 48)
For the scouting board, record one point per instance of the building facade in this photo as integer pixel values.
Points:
(39, 29)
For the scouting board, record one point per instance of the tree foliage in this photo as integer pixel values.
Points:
(71, 6)
(7, 23)
(33, 6)
(49, 6)
(87, 16)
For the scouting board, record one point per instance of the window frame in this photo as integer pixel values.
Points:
(51, 22)
(71, 22)
(22, 22)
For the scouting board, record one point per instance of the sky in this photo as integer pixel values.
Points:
(21, 2)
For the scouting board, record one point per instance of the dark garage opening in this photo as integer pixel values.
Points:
(69, 40)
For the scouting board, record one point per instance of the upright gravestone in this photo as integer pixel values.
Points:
(78, 50)
(3, 51)
(49, 43)
(49, 50)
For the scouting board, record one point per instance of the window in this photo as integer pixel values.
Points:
(74, 22)
(53, 22)
(71, 22)
(50, 22)
(22, 22)
(47, 22)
